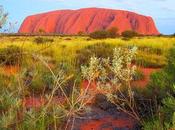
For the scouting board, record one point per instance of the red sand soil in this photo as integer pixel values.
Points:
(147, 72)
(113, 123)
(37, 102)
(9, 70)
(88, 20)
(33, 102)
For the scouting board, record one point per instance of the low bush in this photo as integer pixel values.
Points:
(38, 80)
(163, 81)
(11, 55)
(164, 118)
(102, 50)
(99, 34)
(129, 34)
(42, 40)
(67, 39)
(102, 34)
(112, 32)
(162, 89)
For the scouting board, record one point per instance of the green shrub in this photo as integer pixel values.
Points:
(9, 106)
(99, 34)
(42, 40)
(165, 118)
(160, 85)
(113, 32)
(102, 34)
(163, 81)
(11, 55)
(129, 34)
(168, 109)
(102, 50)
(161, 88)
(38, 80)
(154, 124)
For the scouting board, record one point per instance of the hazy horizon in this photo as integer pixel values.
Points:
(162, 11)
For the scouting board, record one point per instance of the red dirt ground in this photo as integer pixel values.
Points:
(9, 70)
(97, 124)
(36, 102)
(147, 72)
(33, 102)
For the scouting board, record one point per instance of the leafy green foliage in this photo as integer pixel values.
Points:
(162, 90)
(163, 81)
(153, 124)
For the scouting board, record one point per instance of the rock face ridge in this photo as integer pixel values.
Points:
(88, 20)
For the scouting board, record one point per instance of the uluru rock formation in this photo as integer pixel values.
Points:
(88, 20)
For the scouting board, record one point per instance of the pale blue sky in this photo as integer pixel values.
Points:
(162, 11)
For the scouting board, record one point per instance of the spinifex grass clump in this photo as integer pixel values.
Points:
(9, 109)
(11, 55)
(102, 50)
